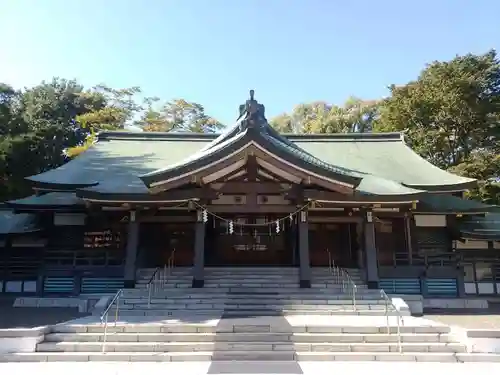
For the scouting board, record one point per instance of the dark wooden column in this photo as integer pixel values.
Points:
(131, 252)
(360, 241)
(5, 261)
(371, 262)
(305, 263)
(199, 252)
(408, 238)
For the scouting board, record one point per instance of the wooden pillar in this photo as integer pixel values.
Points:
(305, 264)
(370, 252)
(360, 245)
(409, 246)
(131, 252)
(4, 262)
(199, 252)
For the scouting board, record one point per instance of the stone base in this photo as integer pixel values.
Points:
(129, 284)
(81, 303)
(305, 283)
(198, 283)
(455, 303)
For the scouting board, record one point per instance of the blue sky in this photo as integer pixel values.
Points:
(214, 51)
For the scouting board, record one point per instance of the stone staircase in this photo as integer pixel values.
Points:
(252, 291)
(348, 338)
(250, 314)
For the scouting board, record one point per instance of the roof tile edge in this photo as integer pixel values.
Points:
(165, 136)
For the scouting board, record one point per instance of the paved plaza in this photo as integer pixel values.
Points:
(240, 368)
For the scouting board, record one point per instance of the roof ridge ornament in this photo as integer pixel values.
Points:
(253, 111)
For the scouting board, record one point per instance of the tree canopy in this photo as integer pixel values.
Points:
(450, 115)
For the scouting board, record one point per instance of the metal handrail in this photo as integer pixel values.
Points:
(342, 278)
(104, 317)
(389, 307)
(159, 277)
(153, 275)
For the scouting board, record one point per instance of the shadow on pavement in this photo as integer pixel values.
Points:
(29, 317)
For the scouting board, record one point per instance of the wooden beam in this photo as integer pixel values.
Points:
(337, 198)
(232, 174)
(189, 178)
(182, 194)
(252, 167)
(263, 159)
(296, 194)
(254, 209)
(302, 175)
(201, 193)
(315, 194)
(235, 187)
(166, 219)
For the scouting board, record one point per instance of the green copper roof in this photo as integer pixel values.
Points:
(481, 227)
(447, 203)
(118, 158)
(11, 223)
(49, 200)
(384, 155)
(129, 163)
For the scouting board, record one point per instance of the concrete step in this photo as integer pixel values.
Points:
(243, 284)
(260, 290)
(250, 337)
(251, 276)
(248, 301)
(248, 313)
(112, 346)
(478, 357)
(180, 295)
(231, 356)
(249, 307)
(182, 328)
(253, 270)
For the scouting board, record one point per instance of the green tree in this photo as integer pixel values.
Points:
(180, 115)
(355, 115)
(106, 109)
(37, 126)
(284, 124)
(451, 116)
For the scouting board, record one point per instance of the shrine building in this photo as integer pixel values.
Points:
(249, 197)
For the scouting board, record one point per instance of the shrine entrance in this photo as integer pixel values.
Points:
(253, 241)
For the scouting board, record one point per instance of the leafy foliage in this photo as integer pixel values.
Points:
(179, 115)
(321, 117)
(451, 116)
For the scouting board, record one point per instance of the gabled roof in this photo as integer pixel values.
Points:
(373, 163)
(252, 134)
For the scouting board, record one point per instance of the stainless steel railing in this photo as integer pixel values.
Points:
(115, 301)
(389, 310)
(343, 280)
(160, 277)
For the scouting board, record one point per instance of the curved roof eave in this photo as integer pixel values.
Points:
(466, 184)
(374, 185)
(206, 152)
(51, 179)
